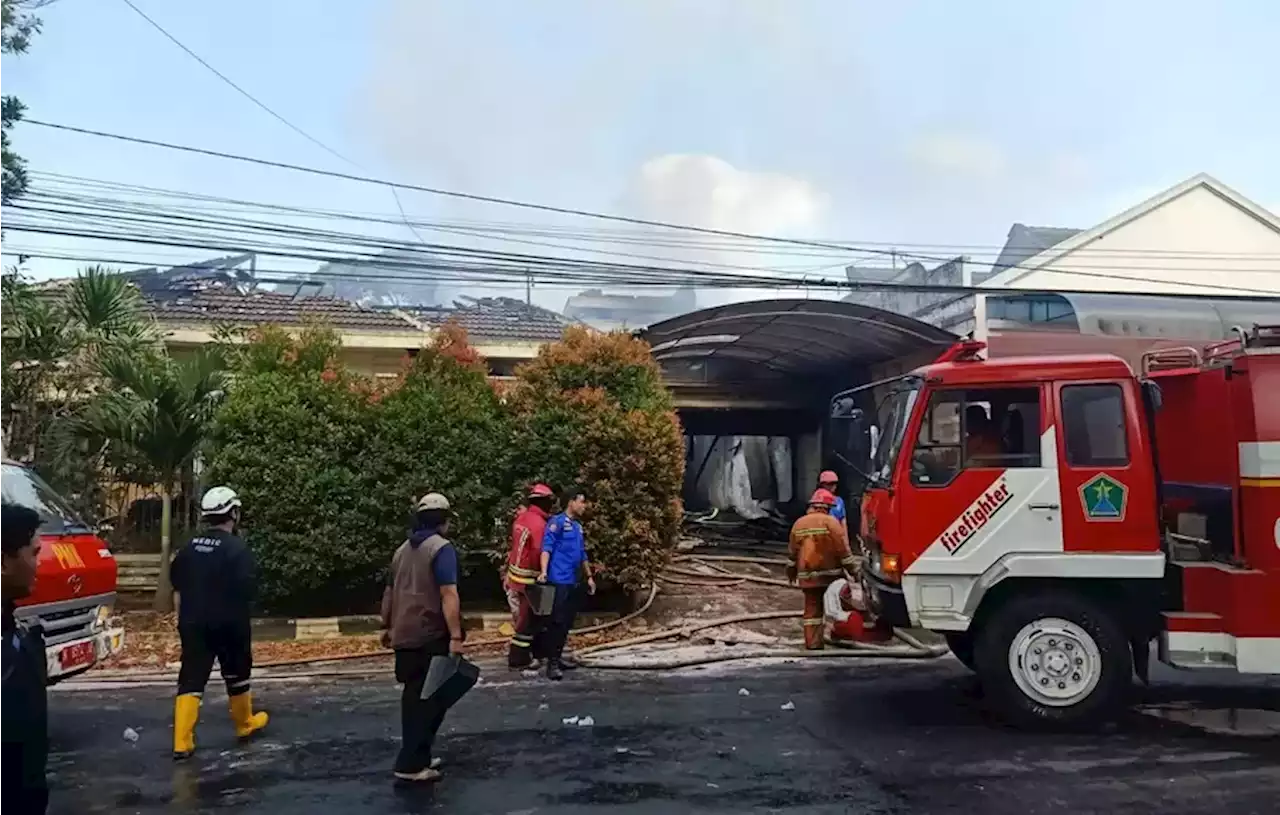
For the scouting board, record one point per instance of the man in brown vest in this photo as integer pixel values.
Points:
(422, 618)
(819, 553)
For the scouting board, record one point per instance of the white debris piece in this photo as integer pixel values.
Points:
(586, 721)
(570, 720)
(131, 735)
(544, 706)
(622, 749)
(743, 692)
(789, 706)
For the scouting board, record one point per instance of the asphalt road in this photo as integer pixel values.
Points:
(866, 738)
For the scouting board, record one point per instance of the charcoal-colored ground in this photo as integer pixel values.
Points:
(863, 738)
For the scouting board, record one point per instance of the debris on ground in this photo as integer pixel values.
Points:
(789, 706)
(569, 720)
(586, 721)
(544, 706)
(131, 735)
(743, 692)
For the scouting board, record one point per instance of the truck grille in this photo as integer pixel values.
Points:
(65, 620)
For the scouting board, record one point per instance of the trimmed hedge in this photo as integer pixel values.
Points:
(592, 412)
(329, 463)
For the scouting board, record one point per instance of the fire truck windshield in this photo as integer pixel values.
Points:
(893, 416)
(22, 486)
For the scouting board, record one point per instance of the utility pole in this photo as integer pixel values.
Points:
(528, 287)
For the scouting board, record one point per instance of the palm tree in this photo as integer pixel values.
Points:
(152, 419)
(52, 340)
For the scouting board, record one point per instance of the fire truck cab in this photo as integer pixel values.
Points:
(1055, 516)
(75, 590)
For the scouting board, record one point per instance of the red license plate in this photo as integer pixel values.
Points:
(75, 656)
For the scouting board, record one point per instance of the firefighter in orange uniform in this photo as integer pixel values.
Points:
(819, 555)
(524, 564)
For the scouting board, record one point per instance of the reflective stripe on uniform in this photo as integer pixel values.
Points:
(521, 643)
(816, 530)
(819, 573)
(516, 571)
(813, 621)
(524, 581)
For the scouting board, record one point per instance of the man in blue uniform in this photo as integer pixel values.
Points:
(26, 737)
(564, 563)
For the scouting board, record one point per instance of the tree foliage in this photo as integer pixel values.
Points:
(329, 463)
(149, 424)
(592, 412)
(54, 344)
(441, 428)
(18, 24)
(292, 438)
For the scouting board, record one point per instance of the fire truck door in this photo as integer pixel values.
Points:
(983, 482)
(1108, 485)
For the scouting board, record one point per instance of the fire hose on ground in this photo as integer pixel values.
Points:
(718, 578)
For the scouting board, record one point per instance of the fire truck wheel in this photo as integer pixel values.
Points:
(961, 645)
(1054, 660)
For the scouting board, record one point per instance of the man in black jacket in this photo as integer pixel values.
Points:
(26, 719)
(213, 578)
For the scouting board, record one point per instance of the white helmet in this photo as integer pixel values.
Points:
(219, 501)
(433, 500)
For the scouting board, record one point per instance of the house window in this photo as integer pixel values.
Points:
(980, 428)
(1093, 418)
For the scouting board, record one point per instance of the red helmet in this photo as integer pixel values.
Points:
(822, 498)
(540, 491)
(828, 477)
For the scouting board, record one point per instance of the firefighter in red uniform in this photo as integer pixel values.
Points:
(524, 564)
(819, 553)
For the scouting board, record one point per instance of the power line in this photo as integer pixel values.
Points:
(255, 100)
(492, 230)
(466, 196)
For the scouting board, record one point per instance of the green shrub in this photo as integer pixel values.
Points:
(441, 428)
(292, 440)
(592, 411)
(329, 463)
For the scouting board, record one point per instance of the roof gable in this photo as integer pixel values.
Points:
(1005, 275)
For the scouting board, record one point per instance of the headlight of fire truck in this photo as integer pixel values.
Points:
(103, 616)
(887, 566)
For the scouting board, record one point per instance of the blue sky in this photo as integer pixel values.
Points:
(925, 123)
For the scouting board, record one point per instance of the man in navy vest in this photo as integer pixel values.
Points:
(26, 736)
(564, 564)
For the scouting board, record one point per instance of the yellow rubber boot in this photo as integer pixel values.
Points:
(246, 721)
(186, 712)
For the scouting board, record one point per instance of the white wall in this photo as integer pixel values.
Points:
(1198, 240)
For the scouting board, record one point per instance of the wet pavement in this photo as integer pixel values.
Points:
(862, 738)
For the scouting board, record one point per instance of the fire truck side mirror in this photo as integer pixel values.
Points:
(849, 434)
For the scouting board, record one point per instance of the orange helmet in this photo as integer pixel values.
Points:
(828, 477)
(822, 498)
(540, 491)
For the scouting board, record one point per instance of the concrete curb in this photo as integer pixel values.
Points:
(321, 628)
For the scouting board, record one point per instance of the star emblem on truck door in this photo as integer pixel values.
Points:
(1104, 498)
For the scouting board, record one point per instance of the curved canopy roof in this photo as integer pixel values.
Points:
(785, 338)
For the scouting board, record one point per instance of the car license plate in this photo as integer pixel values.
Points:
(77, 655)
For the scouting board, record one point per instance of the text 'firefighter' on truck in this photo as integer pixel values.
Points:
(1054, 516)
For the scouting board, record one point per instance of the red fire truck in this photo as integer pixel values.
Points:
(75, 581)
(1054, 516)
